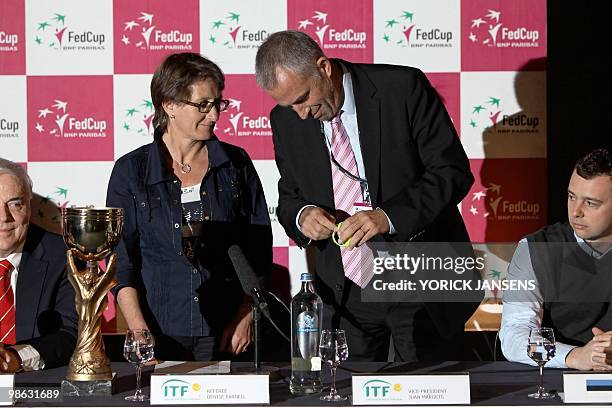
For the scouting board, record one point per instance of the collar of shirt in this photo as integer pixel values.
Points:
(349, 120)
(586, 247)
(157, 171)
(15, 260)
(348, 107)
(15, 257)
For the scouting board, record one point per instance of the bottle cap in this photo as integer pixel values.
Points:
(306, 277)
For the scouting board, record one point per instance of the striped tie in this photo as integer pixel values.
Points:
(7, 304)
(347, 191)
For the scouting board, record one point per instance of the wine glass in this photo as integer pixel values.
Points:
(138, 349)
(541, 349)
(333, 350)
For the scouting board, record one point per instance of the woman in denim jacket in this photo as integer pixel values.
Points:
(187, 198)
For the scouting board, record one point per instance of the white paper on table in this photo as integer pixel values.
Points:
(193, 367)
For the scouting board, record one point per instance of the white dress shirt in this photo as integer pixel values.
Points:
(519, 317)
(30, 358)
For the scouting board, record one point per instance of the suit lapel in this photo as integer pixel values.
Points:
(30, 281)
(367, 106)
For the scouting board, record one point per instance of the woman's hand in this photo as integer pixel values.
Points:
(238, 334)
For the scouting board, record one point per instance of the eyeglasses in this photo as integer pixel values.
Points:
(206, 106)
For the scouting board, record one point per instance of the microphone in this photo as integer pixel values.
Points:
(248, 279)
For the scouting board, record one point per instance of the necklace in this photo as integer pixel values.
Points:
(185, 167)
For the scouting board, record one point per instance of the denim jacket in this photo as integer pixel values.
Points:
(177, 297)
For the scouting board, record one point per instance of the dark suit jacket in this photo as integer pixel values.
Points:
(45, 312)
(416, 168)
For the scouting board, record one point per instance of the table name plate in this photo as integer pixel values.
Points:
(7, 383)
(587, 386)
(203, 389)
(421, 389)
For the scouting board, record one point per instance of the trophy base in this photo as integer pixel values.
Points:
(97, 388)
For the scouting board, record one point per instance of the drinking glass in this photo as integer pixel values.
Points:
(541, 349)
(138, 349)
(333, 350)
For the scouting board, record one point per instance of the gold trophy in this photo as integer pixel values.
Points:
(90, 234)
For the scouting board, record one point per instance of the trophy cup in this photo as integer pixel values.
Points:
(90, 234)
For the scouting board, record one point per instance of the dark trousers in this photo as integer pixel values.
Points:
(370, 326)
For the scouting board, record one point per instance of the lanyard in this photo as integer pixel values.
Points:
(365, 191)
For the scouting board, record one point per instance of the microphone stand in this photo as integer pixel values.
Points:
(256, 317)
(257, 368)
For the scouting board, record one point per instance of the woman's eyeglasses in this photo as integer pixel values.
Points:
(206, 106)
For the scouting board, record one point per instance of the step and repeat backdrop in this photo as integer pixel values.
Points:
(75, 74)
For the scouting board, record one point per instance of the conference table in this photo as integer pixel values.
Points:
(491, 383)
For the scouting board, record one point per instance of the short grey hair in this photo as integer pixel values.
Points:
(289, 49)
(9, 167)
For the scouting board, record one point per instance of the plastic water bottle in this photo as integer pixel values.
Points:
(306, 319)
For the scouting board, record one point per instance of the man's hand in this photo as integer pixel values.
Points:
(238, 334)
(603, 361)
(316, 223)
(592, 356)
(10, 362)
(361, 227)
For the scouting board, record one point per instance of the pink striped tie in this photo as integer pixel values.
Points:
(7, 304)
(347, 191)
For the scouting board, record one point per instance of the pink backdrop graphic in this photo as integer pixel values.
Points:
(504, 205)
(501, 35)
(145, 31)
(447, 86)
(246, 122)
(342, 28)
(12, 37)
(70, 118)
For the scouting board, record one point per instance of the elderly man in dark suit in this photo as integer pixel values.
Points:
(373, 147)
(38, 322)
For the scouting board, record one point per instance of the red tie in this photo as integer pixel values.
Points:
(7, 304)
(347, 191)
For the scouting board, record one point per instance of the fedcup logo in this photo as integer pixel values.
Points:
(54, 32)
(46, 210)
(233, 110)
(246, 122)
(9, 41)
(140, 32)
(55, 120)
(489, 116)
(320, 25)
(230, 31)
(489, 203)
(504, 205)
(59, 198)
(403, 30)
(137, 120)
(9, 128)
(243, 123)
(490, 30)
(486, 114)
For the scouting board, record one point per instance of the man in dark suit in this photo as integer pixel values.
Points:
(376, 137)
(38, 321)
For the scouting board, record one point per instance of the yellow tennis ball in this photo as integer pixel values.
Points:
(196, 387)
(397, 387)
